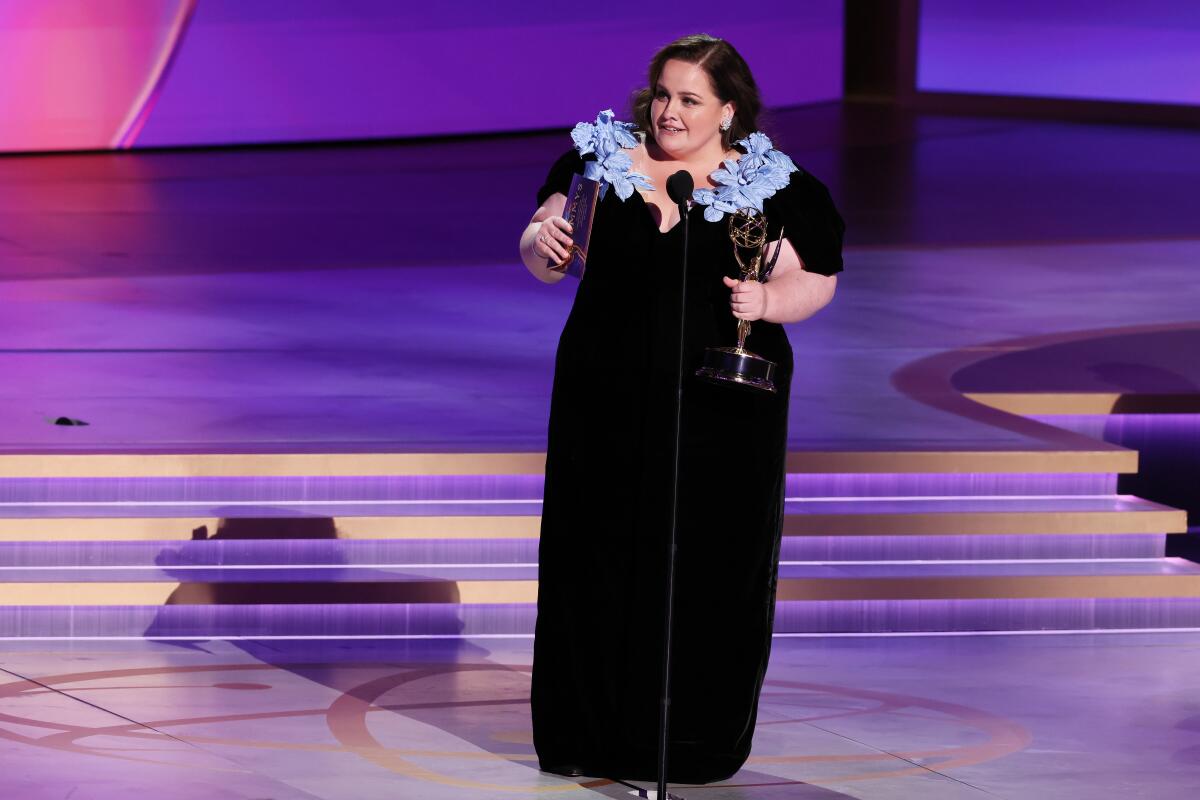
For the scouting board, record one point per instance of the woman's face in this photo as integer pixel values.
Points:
(685, 113)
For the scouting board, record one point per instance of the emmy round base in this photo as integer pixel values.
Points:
(734, 365)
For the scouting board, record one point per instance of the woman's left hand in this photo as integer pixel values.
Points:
(748, 299)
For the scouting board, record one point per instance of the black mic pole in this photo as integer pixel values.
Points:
(679, 187)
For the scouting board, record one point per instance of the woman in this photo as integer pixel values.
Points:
(606, 516)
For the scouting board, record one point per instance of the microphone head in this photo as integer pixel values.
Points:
(679, 186)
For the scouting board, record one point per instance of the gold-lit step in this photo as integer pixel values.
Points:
(1160, 520)
(158, 593)
(992, 587)
(1104, 459)
(1144, 578)
(1115, 514)
(185, 528)
(1091, 403)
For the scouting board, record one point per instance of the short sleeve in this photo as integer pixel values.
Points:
(558, 180)
(810, 222)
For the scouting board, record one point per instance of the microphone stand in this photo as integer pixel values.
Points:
(679, 187)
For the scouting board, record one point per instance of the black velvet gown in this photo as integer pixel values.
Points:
(605, 524)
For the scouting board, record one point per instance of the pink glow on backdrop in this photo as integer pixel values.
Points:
(78, 73)
(300, 70)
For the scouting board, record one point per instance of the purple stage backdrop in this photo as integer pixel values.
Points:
(1131, 50)
(124, 73)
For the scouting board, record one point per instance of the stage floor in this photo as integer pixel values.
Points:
(1052, 717)
(313, 317)
(367, 300)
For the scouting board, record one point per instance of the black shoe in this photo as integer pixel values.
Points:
(566, 770)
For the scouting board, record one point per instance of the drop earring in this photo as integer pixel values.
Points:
(727, 123)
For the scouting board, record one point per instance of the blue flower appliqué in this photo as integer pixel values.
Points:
(605, 138)
(747, 182)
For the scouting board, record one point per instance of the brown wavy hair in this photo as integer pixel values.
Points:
(727, 71)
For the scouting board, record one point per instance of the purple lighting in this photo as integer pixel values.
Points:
(1136, 50)
(322, 69)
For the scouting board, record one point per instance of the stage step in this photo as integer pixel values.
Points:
(1153, 577)
(484, 518)
(972, 547)
(795, 575)
(300, 552)
(517, 582)
(218, 491)
(374, 459)
(444, 620)
(449, 555)
(981, 516)
(1129, 610)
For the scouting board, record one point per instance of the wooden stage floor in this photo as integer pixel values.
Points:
(944, 718)
(364, 300)
(292, 553)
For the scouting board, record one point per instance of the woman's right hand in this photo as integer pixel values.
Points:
(553, 239)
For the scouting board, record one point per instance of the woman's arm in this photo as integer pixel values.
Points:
(790, 295)
(547, 236)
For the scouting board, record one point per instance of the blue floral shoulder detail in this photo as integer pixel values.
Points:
(748, 181)
(605, 138)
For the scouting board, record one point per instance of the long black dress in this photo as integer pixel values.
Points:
(598, 653)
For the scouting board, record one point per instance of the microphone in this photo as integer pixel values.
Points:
(680, 186)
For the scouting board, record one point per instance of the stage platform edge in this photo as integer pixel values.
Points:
(1104, 459)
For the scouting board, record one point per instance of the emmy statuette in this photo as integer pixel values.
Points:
(737, 365)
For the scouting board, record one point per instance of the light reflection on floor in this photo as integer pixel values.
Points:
(1048, 717)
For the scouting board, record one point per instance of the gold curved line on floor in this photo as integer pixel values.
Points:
(347, 720)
